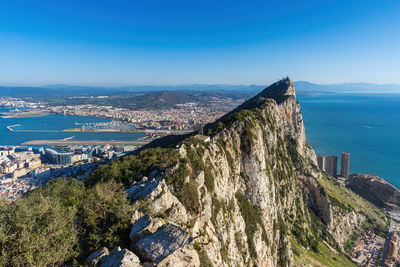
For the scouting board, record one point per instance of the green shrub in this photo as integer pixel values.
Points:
(134, 167)
(40, 229)
(62, 222)
(189, 196)
(105, 217)
(204, 260)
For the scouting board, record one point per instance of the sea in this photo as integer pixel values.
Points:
(54, 122)
(366, 125)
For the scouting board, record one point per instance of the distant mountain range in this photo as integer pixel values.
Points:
(150, 100)
(302, 87)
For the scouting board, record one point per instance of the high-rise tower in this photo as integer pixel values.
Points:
(331, 165)
(321, 162)
(344, 170)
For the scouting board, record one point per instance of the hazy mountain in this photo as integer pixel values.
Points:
(302, 86)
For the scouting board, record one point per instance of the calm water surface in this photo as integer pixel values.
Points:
(54, 122)
(367, 126)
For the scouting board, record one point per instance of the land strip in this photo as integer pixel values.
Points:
(79, 130)
(86, 142)
(27, 114)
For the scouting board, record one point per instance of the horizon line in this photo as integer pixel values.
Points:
(41, 85)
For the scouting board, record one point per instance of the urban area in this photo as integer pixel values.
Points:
(370, 249)
(23, 168)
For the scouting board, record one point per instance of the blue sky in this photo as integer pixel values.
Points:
(191, 41)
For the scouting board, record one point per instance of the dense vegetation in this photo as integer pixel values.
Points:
(62, 223)
(133, 167)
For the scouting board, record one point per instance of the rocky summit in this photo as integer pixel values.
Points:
(245, 192)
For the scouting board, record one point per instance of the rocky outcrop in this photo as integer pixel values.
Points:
(95, 257)
(244, 196)
(144, 227)
(159, 198)
(166, 240)
(115, 258)
(375, 189)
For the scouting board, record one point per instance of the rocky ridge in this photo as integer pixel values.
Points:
(248, 193)
(375, 189)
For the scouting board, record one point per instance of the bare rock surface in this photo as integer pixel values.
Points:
(94, 258)
(115, 258)
(144, 227)
(165, 241)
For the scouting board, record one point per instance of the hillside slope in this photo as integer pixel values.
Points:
(251, 194)
(247, 193)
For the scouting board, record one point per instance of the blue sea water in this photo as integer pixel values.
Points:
(54, 122)
(366, 125)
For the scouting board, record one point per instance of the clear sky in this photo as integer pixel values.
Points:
(117, 42)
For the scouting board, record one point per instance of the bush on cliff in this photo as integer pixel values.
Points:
(62, 223)
(41, 229)
(105, 217)
(134, 167)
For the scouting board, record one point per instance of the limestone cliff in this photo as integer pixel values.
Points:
(247, 193)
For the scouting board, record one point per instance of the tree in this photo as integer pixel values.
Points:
(40, 229)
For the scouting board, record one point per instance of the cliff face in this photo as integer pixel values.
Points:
(247, 193)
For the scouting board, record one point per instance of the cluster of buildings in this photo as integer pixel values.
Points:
(367, 249)
(16, 162)
(17, 103)
(391, 257)
(183, 117)
(331, 166)
(24, 168)
(15, 188)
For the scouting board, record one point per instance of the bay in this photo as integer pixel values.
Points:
(366, 125)
(54, 122)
